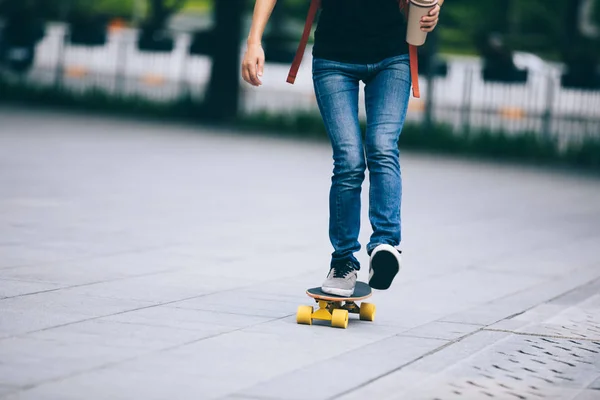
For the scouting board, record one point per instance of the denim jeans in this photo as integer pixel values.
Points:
(387, 91)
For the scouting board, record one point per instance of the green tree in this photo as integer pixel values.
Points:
(222, 99)
(159, 12)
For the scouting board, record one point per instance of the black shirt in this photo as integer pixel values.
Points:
(360, 31)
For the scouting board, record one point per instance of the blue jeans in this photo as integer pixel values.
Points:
(387, 91)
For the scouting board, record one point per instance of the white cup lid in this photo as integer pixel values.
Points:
(424, 3)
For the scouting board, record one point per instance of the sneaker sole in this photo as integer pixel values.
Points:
(337, 291)
(384, 267)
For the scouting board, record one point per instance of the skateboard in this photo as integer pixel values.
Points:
(337, 308)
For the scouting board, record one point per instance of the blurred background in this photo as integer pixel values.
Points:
(158, 231)
(514, 68)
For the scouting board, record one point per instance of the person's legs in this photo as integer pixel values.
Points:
(336, 87)
(387, 92)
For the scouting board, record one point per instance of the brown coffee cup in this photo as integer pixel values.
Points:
(417, 10)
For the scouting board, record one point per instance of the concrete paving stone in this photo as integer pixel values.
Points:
(6, 389)
(460, 286)
(191, 319)
(248, 356)
(96, 270)
(323, 332)
(80, 272)
(342, 373)
(501, 308)
(244, 303)
(557, 260)
(515, 366)
(506, 325)
(163, 287)
(470, 221)
(404, 314)
(25, 255)
(421, 380)
(268, 267)
(255, 356)
(208, 253)
(595, 385)
(71, 304)
(16, 322)
(267, 270)
(29, 361)
(577, 295)
(106, 333)
(417, 303)
(588, 395)
(413, 375)
(13, 288)
(443, 330)
(462, 391)
(293, 288)
(62, 239)
(581, 321)
(117, 383)
(52, 251)
(440, 254)
(45, 310)
(537, 314)
(494, 312)
(321, 337)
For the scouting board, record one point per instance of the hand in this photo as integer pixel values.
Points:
(253, 64)
(430, 21)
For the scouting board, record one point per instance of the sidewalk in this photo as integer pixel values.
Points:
(148, 261)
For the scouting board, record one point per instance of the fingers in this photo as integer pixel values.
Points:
(428, 25)
(253, 72)
(245, 74)
(250, 72)
(253, 65)
(430, 21)
(254, 77)
(261, 66)
(435, 11)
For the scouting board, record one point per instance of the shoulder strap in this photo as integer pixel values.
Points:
(312, 13)
(414, 70)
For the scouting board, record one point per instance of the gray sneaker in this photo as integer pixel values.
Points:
(341, 280)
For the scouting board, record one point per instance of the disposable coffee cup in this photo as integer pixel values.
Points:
(417, 10)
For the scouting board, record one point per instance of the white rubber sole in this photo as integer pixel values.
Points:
(337, 291)
(384, 264)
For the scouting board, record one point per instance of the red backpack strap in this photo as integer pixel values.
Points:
(414, 70)
(312, 13)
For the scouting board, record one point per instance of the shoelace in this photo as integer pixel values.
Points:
(343, 269)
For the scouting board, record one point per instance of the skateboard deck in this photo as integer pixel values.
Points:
(337, 308)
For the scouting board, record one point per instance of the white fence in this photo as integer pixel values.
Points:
(462, 98)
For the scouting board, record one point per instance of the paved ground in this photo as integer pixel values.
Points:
(150, 261)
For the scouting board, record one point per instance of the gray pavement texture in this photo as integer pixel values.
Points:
(146, 260)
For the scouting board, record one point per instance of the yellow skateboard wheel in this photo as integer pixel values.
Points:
(339, 318)
(304, 315)
(367, 312)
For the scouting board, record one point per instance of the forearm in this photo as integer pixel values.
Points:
(262, 13)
